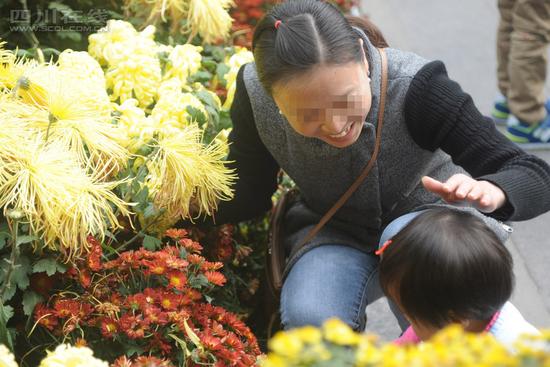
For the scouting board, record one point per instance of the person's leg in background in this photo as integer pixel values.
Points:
(329, 281)
(527, 64)
(501, 112)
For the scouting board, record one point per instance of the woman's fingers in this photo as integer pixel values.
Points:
(482, 194)
(464, 189)
(433, 185)
(476, 193)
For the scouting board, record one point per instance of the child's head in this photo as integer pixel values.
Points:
(446, 266)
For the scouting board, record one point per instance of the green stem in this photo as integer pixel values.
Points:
(29, 33)
(141, 233)
(51, 119)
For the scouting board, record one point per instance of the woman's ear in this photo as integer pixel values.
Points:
(364, 57)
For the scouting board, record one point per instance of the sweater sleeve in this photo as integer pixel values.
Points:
(439, 115)
(254, 165)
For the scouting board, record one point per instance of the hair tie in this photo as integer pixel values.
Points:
(277, 24)
(381, 250)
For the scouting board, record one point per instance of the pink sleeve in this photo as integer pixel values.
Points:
(408, 337)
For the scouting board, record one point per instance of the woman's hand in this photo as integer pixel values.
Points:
(483, 195)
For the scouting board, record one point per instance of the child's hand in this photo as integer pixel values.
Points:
(485, 196)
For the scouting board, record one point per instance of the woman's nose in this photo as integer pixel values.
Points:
(335, 125)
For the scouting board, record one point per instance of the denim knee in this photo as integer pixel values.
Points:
(328, 281)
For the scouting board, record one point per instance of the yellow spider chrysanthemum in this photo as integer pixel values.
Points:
(68, 356)
(209, 18)
(241, 57)
(184, 172)
(77, 123)
(184, 60)
(61, 202)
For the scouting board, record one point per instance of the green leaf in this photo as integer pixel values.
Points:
(202, 76)
(218, 53)
(4, 236)
(9, 292)
(20, 275)
(206, 98)
(25, 239)
(48, 265)
(6, 312)
(151, 243)
(30, 299)
(132, 349)
(70, 35)
(221, 70)
(209, 64)
(196, 114)
(150, 211)
(198, 281)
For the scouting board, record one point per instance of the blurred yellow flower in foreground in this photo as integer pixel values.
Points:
(68, 356)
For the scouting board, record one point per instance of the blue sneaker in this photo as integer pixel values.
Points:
(522, 132)
(501, 112)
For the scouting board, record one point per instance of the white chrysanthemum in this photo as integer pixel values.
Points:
(184, 60)
(68, 356)
(6, 358)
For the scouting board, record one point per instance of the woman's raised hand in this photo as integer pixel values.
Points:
(459, 188)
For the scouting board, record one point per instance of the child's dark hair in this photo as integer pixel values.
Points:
(447, 265)
(310, 33)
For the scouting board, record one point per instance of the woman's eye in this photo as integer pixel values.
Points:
(312, 115)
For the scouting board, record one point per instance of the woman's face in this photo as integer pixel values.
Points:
(328, 103)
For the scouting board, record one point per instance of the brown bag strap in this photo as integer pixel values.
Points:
(366, 171)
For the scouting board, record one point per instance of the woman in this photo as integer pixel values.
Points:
(309, 105)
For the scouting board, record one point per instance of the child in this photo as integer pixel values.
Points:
(446, 266)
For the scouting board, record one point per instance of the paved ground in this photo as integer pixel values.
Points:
(462, 34)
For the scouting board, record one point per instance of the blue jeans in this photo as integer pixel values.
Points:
(335, 281)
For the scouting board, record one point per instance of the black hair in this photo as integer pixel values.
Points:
(310, 33)
(445, 266)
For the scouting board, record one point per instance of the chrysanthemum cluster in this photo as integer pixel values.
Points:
(154, 300)
(162, 112)
(336, 344)
(60, 150)
(71, 127)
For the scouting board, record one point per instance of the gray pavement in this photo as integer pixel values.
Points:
(463, 34)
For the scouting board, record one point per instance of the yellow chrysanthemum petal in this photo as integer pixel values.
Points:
(209, 18)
